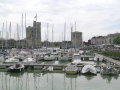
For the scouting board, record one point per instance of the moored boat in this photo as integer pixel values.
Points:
(49, 57)
(89, 69)
(71, 69)
(12, 60)
(108, 70)
(63, 56)
(76, 59)
(29, 60)
(16, 68)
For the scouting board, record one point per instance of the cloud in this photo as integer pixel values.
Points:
(93, 17)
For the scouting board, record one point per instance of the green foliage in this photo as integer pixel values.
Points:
(111, 54)
(117, 40)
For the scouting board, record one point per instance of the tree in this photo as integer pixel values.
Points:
(117, 40)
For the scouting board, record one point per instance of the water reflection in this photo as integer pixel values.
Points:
(14, 74)
(109, 78)
(89, 77)
(71, 76)
(38, 80)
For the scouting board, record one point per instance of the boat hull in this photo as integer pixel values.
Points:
(71, 72)
(89, 73)
(89, 69)
(15, 70)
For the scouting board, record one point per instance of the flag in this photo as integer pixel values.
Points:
(35, 17)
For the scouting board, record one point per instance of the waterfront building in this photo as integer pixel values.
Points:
(76, 39)
(98, 40)
(33, 35)
(107, 40)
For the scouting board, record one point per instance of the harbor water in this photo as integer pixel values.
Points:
(38, 80)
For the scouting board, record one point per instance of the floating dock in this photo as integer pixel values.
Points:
(108, 59)
(45, 66)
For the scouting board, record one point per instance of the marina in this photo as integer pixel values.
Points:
(60, 45)
(30, 60)
(50, 66)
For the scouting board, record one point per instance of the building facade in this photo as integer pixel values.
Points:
(76, 39)
(33, 35)
(108, 40)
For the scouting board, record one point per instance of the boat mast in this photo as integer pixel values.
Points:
(75, 36)
(62, 40)
(22, 31)
(17, 38)
(14, 38)
(71, 36)
(52, 36)
(47, 34)
(10, 45)
(36, 43)
(6, 35)
(64, 34)
(25, 31)
(2, 36)
(45, 39)
(71, 32)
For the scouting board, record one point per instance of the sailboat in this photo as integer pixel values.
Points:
(64, 54)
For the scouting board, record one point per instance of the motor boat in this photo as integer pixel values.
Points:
(76, 59)
(49, 57)
(1, 58)
(38, 56)
(29, 60)
(71, 69)
(12, 60)
(16, 68)
(89, 69)
(63, 56)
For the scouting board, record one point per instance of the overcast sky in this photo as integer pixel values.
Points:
(92, 17)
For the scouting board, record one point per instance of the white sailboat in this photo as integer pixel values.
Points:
(64, 55)
(29, 60)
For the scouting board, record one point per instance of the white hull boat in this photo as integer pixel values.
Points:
(29, 60)
(12, 60)
(76, 59)
(71, 69)
(89, 69)
(63, 56)
(109, 70)
(49, 57)
(16, 68)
